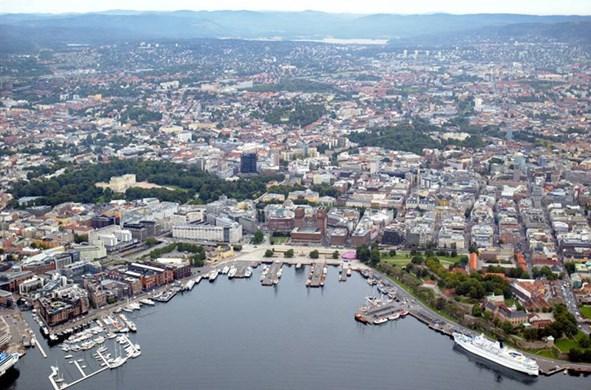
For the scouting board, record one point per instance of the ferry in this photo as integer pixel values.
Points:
(496, 352)
(7, 360)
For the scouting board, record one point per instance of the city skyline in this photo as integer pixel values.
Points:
(543, 7)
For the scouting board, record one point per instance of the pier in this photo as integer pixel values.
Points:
(272, 275)
(317, 275)
(38, 345)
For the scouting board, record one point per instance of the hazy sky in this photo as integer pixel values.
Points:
(580, 7)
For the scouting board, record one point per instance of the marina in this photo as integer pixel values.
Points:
(104, 343)
(313, 342)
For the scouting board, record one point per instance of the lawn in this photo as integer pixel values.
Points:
(586, 311)
(279, 240)
(565, 345)
(548, 353)
(402, 258)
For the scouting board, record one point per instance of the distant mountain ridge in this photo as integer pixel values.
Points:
(44, 29)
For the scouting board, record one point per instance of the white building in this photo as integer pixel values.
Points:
(227, 232)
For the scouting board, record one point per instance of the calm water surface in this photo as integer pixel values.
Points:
(236, 334)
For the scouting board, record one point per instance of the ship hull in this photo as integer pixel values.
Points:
(495, 359)
(10, 362)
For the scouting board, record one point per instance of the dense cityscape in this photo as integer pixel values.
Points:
(456, 179)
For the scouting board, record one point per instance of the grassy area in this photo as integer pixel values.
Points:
(402, 258)
(565, 345)
(586, 311)
(279, 240)
(418, 298)
(547, 353)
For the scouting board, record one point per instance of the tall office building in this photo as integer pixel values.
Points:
(248, 163)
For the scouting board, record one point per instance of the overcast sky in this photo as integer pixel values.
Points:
(540, 7)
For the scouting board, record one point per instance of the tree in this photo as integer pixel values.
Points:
(507, 327)
(362, 253)
(288, 254)
(374, 255)
(151, 241)
(79, 238)
(335, 255)
(476, 310)
(258, 237)
(570, 267)
(269, 253)
(314, 254)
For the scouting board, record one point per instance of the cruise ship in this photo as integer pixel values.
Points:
(497, 353)
(7, 360)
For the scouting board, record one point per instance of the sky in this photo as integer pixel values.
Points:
(538, 7)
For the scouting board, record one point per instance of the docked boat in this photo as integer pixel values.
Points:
(232, 272)
(117, 362)
(248, 272)
(379, 321)
(147, 301)
(189, 285)
(393, 317)
(213, 275)
(225, 270)
(498, 353)
(361, 318)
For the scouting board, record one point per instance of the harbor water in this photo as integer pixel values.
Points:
(236, 334)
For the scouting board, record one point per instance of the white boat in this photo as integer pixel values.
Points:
(393, 317)
(248, 272)
(232, 272)
(68, 357)
(117, 362)
(213, 275)
(225, 270)
(7, 360)
(379, 321)
(497, 353)
(147, 301)
(189, 285)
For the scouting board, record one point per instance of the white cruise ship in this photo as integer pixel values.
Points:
(497, 353)
(7, 360)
